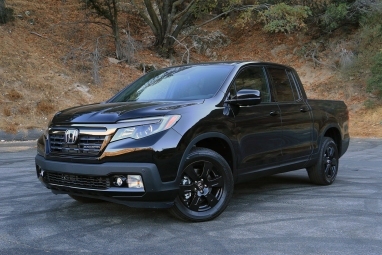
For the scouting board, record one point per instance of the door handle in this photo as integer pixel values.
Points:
(304, 109)
(274, 113)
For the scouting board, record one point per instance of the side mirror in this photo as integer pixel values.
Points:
(246, 97)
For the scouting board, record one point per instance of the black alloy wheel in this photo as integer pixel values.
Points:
(205, 187)
(330, 163)
(325, 170)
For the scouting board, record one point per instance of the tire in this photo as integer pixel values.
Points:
(324, 172)
(205, 188)
(86, 200)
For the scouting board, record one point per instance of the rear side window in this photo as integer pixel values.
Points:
(282, 85)
(295, 87)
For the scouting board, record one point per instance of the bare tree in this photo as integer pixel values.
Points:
(131, 46)
(95, 57)
(186, 53)
(108, 9)
(167, 18)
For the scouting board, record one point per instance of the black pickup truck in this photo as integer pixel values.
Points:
(181, 137)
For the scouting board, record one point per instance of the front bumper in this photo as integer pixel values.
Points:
(69, 179)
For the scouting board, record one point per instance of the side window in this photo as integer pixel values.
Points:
(253, 78)
(282, 85)
(296, 92)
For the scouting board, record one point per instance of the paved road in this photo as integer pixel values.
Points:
(283, 214)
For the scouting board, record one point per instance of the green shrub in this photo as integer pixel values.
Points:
(334, 16)
(374, 84)
(284, 18)
(371, 28)
(369, 104)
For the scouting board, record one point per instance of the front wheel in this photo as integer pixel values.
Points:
(324, 172)
(205, 187)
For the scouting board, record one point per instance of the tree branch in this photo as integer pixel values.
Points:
(185, 10)
(316, 61)
(153, 16)
(187, 49)
(34, 33)
(145, 18)
(241, 8)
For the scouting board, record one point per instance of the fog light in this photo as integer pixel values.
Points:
(135, 181)
(119, 181)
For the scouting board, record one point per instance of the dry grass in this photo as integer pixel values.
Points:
(23, 110)
(11, 128)
(35, 80)
(366, 123)
(13, 95)
(50, 69)
(7, 112)
(45, 106)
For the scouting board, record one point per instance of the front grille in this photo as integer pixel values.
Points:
(87, 145)
(81, 181)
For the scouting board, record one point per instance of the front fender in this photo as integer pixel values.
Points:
(201, 137)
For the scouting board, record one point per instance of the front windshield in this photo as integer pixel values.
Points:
(176, 84)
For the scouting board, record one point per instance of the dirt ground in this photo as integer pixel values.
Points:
(47, 64)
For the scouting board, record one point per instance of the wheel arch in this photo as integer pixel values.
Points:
(334, 133)
(215, 141)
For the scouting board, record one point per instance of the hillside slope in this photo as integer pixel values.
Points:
(47, 63)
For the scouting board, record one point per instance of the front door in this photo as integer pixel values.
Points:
(257, 127)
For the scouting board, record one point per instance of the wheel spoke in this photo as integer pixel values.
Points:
(211, 199)
(218, 182)
(330, 152)
(333, 170)
(206, 168)
(327, 168)
(184, 188)
(191, 173)
(194, 205)
(334, 162)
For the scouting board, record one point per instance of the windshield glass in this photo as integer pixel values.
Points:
(176, 84)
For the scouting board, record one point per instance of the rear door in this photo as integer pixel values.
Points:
(258, 127)
(296, 115)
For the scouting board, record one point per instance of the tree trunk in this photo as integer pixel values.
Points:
(172, 16)
(3, 13)
(168, 45)
(119, 51)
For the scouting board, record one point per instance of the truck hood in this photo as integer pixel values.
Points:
(114, 112)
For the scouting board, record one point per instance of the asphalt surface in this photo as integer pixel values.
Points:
(24, 135)
(282, 214)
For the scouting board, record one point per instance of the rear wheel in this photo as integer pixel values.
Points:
(205, 187)
(324, 172)
(85, 199)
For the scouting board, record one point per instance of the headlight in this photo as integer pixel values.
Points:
(139, 128)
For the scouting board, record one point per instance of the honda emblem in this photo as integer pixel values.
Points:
(71, 136)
